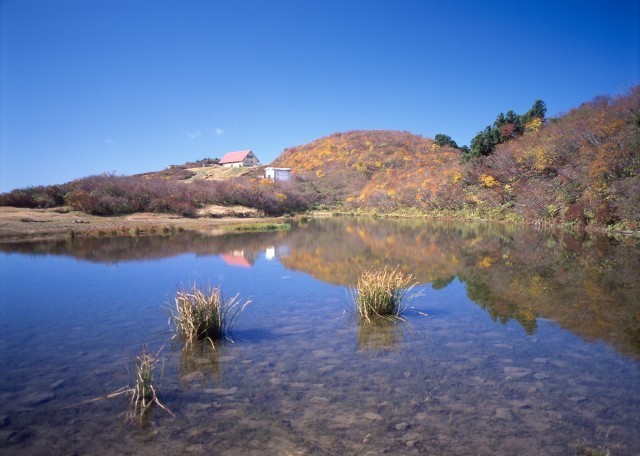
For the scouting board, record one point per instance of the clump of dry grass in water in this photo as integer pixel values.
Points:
(143, 393)
(383, 293)
(203, 314)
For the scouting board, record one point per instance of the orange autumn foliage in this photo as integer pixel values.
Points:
(582, 168)
(381, 168)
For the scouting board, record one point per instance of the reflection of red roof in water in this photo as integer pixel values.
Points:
(233, 260)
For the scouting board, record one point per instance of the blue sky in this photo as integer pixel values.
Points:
(127, 86)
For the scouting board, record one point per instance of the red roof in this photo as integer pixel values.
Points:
(234, 157)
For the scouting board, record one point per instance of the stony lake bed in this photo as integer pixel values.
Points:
(521, 342)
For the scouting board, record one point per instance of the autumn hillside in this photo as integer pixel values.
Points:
(383, 169)
(581, 168)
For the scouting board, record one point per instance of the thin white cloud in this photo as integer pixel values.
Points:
(194, 134)
(109, 141)
(218, 131)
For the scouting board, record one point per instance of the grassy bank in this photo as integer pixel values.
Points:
(498, 215)
(257, 227)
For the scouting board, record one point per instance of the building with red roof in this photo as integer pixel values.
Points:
(239, 159)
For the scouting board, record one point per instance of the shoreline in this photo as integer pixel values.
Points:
(461, 216)
(24, 224)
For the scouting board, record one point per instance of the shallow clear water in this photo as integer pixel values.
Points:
(530, 344)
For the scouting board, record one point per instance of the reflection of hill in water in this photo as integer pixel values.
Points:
(337, 250)
(588, 285)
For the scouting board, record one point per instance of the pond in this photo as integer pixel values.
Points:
(521, 342)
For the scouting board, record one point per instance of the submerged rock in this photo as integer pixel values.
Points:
(412, 437)
(322, 353)
(38, 398)
(193, 377)
(516, 372)
(402, 426)
(57, 384)
(504, 414)
(373, 416)
(222, 391)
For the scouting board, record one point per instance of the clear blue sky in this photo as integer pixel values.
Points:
(92, 86)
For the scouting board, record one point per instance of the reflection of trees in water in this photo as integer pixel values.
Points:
(438, 284)
(589, 285)
(500, 310)
(379, 335)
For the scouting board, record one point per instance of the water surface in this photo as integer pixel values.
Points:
(530, 345)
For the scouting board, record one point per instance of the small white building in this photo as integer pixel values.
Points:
(277, 174)
(239, 159)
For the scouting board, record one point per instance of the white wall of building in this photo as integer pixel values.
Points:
(278, 174)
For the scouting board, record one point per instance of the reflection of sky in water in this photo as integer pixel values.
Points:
(302, 375)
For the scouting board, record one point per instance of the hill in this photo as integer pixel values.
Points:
(382, 169)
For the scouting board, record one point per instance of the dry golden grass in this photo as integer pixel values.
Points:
(218, 173)
(143, 393)
(203, 314)
(382, 293)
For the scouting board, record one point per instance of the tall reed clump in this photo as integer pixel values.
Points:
(382, 293)
(203, 314)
